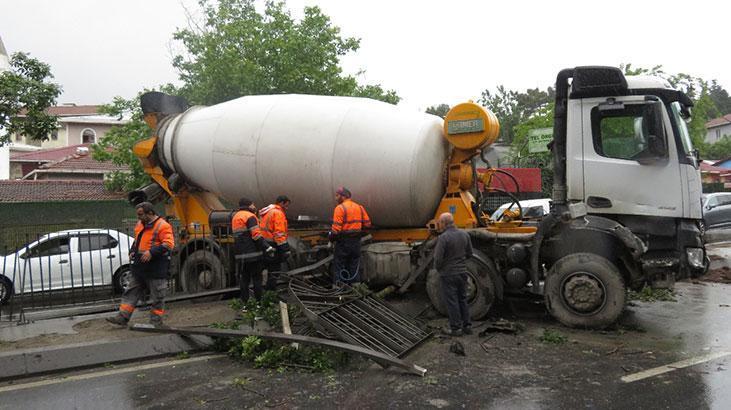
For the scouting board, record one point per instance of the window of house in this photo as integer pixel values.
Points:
(93, 241)
(54, 135)
(623, 132)
(18, 137)
(718, 134)
(88, 136)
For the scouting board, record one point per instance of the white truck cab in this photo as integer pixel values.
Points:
(629, 158)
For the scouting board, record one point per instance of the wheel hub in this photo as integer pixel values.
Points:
(584, 293)
(205, 278)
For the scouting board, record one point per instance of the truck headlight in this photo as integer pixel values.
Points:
(695, 257)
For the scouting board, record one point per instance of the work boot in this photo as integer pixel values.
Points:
(156, 322)
(118, 320)
(467, 330)
(451, 332)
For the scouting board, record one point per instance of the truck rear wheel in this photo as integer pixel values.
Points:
(480, 289)
(585, 290)
(202, 271)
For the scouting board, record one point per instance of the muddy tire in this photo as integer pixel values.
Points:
(6, 290)
(480, 289)
(121, 279)
(202, 271)
(585, 290)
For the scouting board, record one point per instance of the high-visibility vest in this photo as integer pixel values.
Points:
(160, 234)
(274, 224)
(240, 225)
(350, 217)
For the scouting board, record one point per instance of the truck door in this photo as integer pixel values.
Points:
(630, 160)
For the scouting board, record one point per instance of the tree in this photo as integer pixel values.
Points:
(238, 51)
(25, 95)
(116, 146)
(513, 107)
(440, 110)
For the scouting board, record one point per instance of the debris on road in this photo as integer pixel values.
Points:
(230, 333)
(720, 275)
(648, 294)
(502, 326)
(457, 348)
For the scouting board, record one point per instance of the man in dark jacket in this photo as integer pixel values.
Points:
(450, 255)
(248, 245)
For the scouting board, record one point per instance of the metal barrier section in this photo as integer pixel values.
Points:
(359, 319)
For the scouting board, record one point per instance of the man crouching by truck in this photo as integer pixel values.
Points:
(274, 230)
(150, 256)
(450, 255)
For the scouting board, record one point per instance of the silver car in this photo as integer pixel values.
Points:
(68, 259)
(717, 210)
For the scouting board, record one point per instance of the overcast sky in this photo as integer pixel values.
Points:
(428, 51)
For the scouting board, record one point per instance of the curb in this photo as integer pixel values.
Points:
(29, 362)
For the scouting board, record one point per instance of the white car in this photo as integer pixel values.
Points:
(68, 259)
(532, 208)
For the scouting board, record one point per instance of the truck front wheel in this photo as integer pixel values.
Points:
(585, 290)
(480, 289)
(202, 271)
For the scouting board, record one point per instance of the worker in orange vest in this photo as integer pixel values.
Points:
(248, 245)
(275, 231)
(150, 265)
(349, 222)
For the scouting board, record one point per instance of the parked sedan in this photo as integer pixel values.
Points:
(717, 210)
(65, 260)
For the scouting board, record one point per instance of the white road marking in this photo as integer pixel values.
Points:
(104, 373)
(673, 366)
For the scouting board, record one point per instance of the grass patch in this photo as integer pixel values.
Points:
(552, 337)
(648, 294)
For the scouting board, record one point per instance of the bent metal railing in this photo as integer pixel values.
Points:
(356, 318)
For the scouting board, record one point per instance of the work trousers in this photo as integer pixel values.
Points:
(454, 292)
(273, 266)
(137, 289)
(249, 272)
(346, 260)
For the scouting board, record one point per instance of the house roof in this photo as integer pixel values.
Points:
(713, 169)
(70, 110)
(717, 122)
(52, 191)
(83, 162)
(47, 155)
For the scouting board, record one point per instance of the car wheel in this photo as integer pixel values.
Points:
(121, 279)
(6, 290)
(585, 290)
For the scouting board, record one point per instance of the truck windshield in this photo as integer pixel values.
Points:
(682, 128)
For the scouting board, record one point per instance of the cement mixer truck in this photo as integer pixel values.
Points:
(626, 196)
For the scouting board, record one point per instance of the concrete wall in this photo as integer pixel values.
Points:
(4, 162)
(716, 133)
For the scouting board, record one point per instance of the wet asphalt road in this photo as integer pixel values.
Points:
(671, 355)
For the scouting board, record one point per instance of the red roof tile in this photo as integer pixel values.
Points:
(47, 155)
(726, 119)
(83, 162)
(71, 110)
(50, 190)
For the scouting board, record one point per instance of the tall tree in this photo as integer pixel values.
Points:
(25, 94)
(116, 146)
(513, 107)
(440, 110)
(236, 50)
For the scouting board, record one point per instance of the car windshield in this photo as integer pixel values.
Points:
(682, 127)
